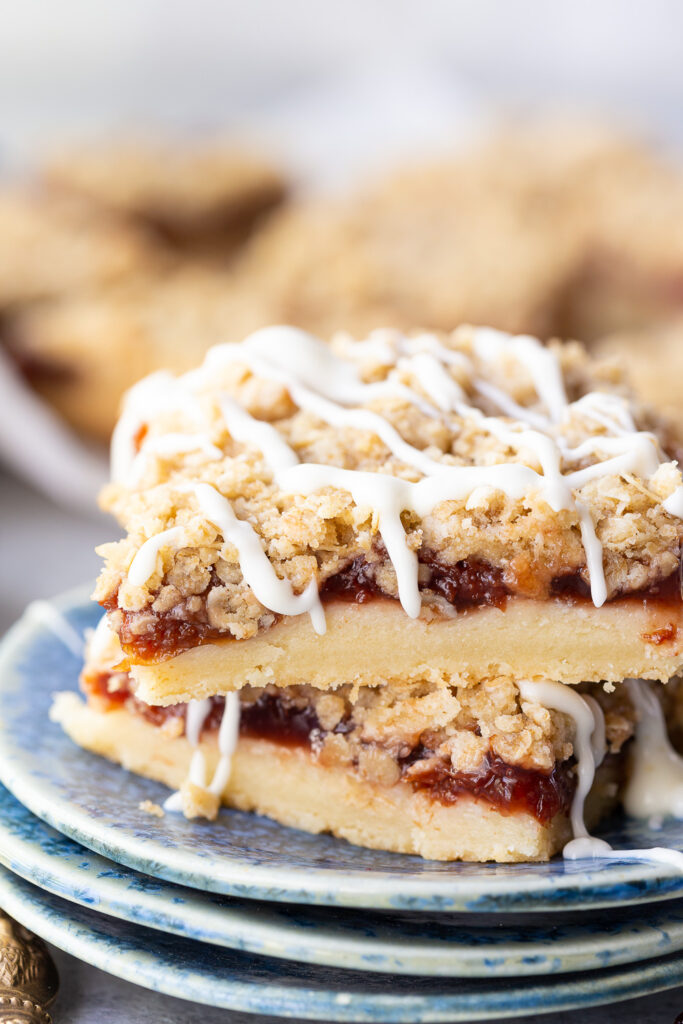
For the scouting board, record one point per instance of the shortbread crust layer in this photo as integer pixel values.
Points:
(290, 786)
(377, 644)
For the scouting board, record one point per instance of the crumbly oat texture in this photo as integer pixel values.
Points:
(149, 807)
(373, 730)
(313, 536)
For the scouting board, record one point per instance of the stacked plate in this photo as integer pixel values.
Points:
(248, 915)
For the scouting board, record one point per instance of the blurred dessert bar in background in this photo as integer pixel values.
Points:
(190, 195)
(83, 351)
(56, 245)
(157, 252)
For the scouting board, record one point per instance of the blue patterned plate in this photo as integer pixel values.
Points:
(257, 984)
(443, 945)
(97, 804)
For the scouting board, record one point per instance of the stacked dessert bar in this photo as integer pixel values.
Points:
(388, 589)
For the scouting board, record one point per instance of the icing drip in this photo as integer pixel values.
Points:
(144, 563)
(104, 646)
(674, 503)
(388, 496)
(655, 785)
(598, 739)
(256, 567)
(47, 615)
(227, 741)
(332, 389)
(197, 712)
(587, 722)
(593, 549)
(159, 392)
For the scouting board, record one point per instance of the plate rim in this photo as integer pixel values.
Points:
(286, 940)
(23, 901)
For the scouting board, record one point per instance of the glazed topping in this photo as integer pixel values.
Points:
(552, 458)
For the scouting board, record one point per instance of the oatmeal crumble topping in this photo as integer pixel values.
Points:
(386, 732)
(316, 536)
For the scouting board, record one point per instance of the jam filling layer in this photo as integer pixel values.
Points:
(150, 637)
(509, 788)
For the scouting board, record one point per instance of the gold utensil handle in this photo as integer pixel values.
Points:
(28, 976)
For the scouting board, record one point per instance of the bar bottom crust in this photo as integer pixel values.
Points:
(288, 785)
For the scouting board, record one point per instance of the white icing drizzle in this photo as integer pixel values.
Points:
(331, 388)
(587, 721)
(543, 366)
(589, 750)
(247, 430)
(655, 785)
(598, 738)
(228, 732)
(509, 407)
(144, 563)
(256, 567)
(197, 712)
(364, 419)
(166, 446)
(156, 393)
(104, 646)
(655, 788)
(195, 716)
(388, 496)
(610, 411)
(46, 613)
(674, 503)
(591, 848)
(227, 741)
(637, 454)
(427, 369)
(593, 548)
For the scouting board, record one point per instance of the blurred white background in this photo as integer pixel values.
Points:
(333, 88)
(331, 82)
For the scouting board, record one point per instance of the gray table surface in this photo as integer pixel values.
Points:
(44, 550)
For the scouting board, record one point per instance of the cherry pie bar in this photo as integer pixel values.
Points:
(389, 589)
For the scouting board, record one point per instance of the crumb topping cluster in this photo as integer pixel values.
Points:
(376, 729)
